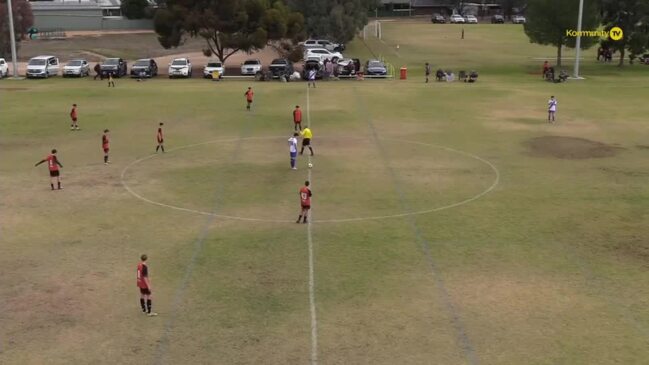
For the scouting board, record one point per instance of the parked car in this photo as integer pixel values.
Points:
(78, 68)
(4, 68)
(322, 53)
(250, 67)
(42, 66)
(213, 65)
(471, 19)
(644, 59)
(323, 43)
(438, 19)
(145, 67)
(313, 64)
(375, 67)
(115, 66)
(348, 66)
(180, 67)
(281, 67)
(456, 19)
(497, 19)
(518, 19)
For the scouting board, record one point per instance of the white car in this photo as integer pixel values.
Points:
(213, 65)
(471, 19)
(4, 68)
(251, 67)
(518, 19)
(43, 66)
(323, 43)
(79, 68)
(180, 67)
(456, 18)
(322, 53)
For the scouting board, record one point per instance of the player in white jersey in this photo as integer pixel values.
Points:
(552, 109)
(292, 149)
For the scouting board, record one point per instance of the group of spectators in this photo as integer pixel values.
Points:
(604, 54)
(550, 75)
(449, 76)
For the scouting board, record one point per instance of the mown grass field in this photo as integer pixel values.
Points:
(535, 250)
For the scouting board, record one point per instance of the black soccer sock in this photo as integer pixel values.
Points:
(148, 305)
(304, 221)
(163, 148)
(52, 185)
(311, 149)
(59, 184)
(157, 148)
(142, 305)
(298, 218)
(105, 159)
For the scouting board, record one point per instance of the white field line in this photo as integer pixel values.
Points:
(341, 220)
(314, 319)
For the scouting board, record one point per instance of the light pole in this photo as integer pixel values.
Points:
(578, 41)
(13, 37)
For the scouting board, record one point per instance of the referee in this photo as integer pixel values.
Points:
(306, 140)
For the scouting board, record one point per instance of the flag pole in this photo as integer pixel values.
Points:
(13, 37)
(578, 41)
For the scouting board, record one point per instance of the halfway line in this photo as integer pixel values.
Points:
(314, 320)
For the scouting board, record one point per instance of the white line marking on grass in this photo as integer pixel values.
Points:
(493, 168)
(314, 320)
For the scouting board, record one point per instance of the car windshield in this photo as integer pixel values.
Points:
(142, 63)
(214, 64)
(375, 64)
(179, 63)
(251, 62)
(38, 62)
(279, 61)
(112, 61)
(75, 63)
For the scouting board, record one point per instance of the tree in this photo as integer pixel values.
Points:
(509, 5)
(338, 20)
(135, 9)
(23, 20)
(228, 26)
(549, 22)
(632, 16)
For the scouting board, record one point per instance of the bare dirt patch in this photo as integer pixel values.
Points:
(569, 148)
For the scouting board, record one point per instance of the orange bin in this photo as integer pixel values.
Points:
(404, 73)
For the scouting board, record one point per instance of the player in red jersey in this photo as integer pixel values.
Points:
(53, 165)
(249, 95)
(144, 283)
(297, 118)
(305, 202)
(105, 145)
(73, 117)
(160, 139)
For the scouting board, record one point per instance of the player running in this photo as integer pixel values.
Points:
(305, 202)
(160, 139)
(552, 109)
(105, 145)
(144, 283)
(307, 135)
(249, 95)
(297, 118)
(53, 165)
(292, 149)
(73, 117)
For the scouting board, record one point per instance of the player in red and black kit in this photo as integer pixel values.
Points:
(297, 118)
(73, 117)
(144, 283)
(105, 145)
(305, 202)
(249, 96)
(53, 165)
(160, 138)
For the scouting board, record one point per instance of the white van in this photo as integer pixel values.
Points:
(4, 68)
(43, 66)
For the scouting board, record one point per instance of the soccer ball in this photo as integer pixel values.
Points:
(310, 165)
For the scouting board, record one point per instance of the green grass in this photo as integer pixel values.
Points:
(548, 268)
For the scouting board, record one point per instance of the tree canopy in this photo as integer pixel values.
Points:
(632, 16)
(23, 20)
(338, 20)
(548, 22)
(228, 26)
(134, 9)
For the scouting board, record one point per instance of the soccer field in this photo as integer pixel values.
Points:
(450, 223)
